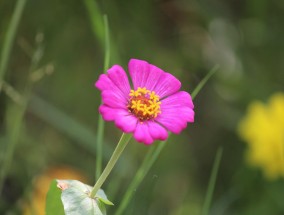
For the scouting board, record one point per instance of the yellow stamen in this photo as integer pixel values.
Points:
(144, 104)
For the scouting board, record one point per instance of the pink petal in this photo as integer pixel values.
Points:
(142, 134)
(154, 75)
(177, 110)
(116, 80)
(172, 123)
(108, 113)
(114, 99)
(144, 74)
(118, 76)
(167, 85)
(104, 83)
(153, 78)
(139, 72)
(127, 123)
(157, 131)
(123, 119)
(178, 99)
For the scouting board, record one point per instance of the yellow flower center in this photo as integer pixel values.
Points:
(144, 104)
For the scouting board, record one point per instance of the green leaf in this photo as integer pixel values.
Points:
(76, 199)
(53, 200)
(102, 197)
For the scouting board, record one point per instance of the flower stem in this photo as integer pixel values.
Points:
(204, 81)
(212, 181)
(101, 122)
(10, 36)
(115, 155)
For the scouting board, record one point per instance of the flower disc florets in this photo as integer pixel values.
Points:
(144, 104)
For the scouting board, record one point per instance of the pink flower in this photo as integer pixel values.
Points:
(153, 106)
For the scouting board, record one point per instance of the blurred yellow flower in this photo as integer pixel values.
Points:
(263, 129)
(41, 186)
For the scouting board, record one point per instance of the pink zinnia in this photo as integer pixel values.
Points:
(148, 109)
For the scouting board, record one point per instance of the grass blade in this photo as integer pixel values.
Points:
(212, 182)
(101, 122)
(98, 26)
(10, 36)
(96, 19)
(204, 81)
(107, 44)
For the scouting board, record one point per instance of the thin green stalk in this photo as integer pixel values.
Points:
(101, 32)
(10, 36)
(116, 154)
(212, 181)
(12, 141)
(107, 44)
(5, 55)
(99, 147)
(153, 154)
(101, 122)
(96, 19)
(204, 81)
(97, 26)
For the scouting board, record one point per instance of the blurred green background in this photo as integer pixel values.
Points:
(184, 37)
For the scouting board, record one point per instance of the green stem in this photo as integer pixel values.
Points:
(99, 147)
(5, 55)
(10, 36)
(115, 155)
(212, 181)
(99, 27)
(95, 18)
(101, 122)
(107, 44)
(13, 139)
(204, 81)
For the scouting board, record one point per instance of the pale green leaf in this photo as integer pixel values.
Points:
(76, 199)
